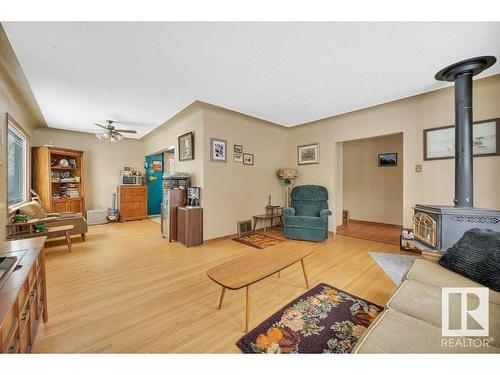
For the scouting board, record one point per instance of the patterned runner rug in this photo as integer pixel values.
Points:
(258, 240)
(323, 320)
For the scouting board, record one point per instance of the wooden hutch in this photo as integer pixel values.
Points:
(58, 178)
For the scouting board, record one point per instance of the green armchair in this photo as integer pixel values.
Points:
(307, 216)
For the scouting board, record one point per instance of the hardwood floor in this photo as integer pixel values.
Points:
(371, 231)
(128, 290)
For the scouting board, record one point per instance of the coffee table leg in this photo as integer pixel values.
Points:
(247, 317)
(305, 273)
(222, 297)
(68, 239)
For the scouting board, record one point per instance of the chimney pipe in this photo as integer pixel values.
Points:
(461, 73)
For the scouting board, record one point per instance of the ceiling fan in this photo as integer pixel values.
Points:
(109, 132)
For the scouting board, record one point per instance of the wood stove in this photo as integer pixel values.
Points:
(440, 227)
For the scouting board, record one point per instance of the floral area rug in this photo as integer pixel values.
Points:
(258, 240)
(323, 320)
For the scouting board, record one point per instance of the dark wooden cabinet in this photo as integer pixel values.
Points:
(190, 226)
(178, 198)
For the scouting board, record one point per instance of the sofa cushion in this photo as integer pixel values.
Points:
(33, 209)
(395, 332)
(424, 302)
(477, 256)
(432, 273)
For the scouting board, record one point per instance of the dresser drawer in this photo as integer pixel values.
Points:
(23, 295)
(14, 347)
(25, 340)
(8, 327)
(31, 275)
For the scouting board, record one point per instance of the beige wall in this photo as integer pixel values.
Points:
(233, 191)
(230, 191)
(165, 136)
(435, 185)
(370, 192)
(102, 163)
(17, 100)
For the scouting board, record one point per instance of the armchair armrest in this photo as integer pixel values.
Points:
(288, 211)
(48, 219)
(325, 212)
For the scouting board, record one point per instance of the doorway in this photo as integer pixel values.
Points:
(372, 186)
(154, 180)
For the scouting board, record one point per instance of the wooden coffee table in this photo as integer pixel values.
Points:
(250, 268)
(23, 230)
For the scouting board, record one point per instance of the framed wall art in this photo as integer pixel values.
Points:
(218, 150)
(238, 158)
(238, 149)
(308, 154)
(186, 146)
(389, 159)
(439, 143)
(248, 159)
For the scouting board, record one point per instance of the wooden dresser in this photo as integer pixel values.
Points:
(23, 295)
(190, 226)
(133, 202)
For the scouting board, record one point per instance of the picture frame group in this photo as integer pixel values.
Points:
(218, 152)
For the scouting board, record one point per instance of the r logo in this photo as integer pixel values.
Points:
(479, 314)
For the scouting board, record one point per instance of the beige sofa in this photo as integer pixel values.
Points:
(35, 210)
(411, 322)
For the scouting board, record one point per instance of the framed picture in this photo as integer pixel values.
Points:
(248, 159)
(238, 158)
(186, 146)
(218, 149)
(238, 149)
(388, 160)
(439, 143)
(308, 154)
(157, 165)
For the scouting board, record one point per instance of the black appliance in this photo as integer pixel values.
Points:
(440, 227)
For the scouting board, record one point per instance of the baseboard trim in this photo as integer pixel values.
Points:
(374, 223)
(229, 236)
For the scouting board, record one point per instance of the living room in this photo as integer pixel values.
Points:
(299, 211)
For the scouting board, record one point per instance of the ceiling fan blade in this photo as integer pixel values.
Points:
(126, 131)
(102, 126)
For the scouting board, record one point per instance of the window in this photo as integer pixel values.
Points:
(17, 165)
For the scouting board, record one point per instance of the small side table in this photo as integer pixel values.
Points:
(274, 210)
(266, 217)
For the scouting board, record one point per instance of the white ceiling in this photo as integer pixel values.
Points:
(289, 73)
